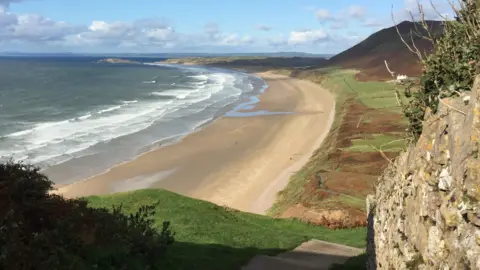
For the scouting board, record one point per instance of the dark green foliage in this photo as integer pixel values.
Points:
(450, 69)
(43, 231)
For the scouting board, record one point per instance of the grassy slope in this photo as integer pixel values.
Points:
(379, 96)
(373, 94)
(386, 143)
(213, 237)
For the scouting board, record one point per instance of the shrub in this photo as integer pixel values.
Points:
(451, 68)
(39, 230)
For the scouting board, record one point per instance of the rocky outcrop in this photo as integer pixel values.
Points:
(425, 213)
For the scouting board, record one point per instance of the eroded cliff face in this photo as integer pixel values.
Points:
(425, 213)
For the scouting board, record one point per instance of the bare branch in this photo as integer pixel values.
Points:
(416, 32)
(382, 153)
(389, 71)
(394, 141)
(436, 10)
(418, 53)
(358, 124)
(416, 49)
(424, 22)
(455, 109)
(452, 5)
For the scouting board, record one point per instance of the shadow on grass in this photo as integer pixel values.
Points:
(186, 256)
(354, 263)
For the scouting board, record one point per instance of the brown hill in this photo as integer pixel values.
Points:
(370, 54)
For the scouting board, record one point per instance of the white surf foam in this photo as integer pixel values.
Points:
(58, 141)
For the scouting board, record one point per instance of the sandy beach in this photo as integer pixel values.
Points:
(240, 162)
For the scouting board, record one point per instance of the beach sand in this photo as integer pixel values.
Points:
(240, 162)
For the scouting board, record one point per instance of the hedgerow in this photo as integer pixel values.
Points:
(39, 230)
(451, 67)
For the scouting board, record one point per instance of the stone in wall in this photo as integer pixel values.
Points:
(425, 213)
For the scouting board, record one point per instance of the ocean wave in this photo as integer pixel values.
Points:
(36, 128)
(150, 82)
(86, 116)
(54, 142)
(110, 109)
(201, 77)
(129, 101)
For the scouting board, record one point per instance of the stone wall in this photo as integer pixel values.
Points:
(425, 213)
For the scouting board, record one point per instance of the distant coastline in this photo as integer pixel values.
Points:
(117, 61)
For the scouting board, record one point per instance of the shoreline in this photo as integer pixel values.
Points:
(61, 188)
(228, 162)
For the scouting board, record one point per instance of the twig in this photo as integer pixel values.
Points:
(382, 153)
(398, 100)
(455, 109)
(391, 72)
(394, 141)
(424, 23)
(415, 46)
(436, 10)
(358, 124)
(452, 5)
(403, 40)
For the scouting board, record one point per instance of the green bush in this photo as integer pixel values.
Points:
(39, 230)
(451, 68)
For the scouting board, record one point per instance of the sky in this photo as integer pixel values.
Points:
(207, 26)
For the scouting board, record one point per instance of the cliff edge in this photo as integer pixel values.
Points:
(425, 213)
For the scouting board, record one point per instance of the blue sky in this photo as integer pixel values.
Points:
(196, 25)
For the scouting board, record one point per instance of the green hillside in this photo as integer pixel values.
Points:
(212, 237)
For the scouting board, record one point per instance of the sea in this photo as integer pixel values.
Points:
(74, 117)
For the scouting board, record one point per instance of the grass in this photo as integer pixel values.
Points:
(376, 95)
(294, 190)
(386, 143)
(213, 237)
(379, 96)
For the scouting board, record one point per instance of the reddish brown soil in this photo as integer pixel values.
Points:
(341, 218)
(349, 183)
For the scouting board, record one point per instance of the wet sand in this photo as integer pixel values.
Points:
(240, 162)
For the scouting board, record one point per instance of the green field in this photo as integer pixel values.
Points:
(375, 142)
(376, 95)
(379, 96)
(213, 237)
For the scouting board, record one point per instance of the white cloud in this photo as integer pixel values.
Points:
(357, 12)
(214, 36)
(233, 40)
(372, 23)
(6, 3)
(212, 29)
(411, 8)
(137, 33)
(264, 27)
(33, 28)
(342, 18)
(6, 18)
(324, 15)
(277, 41)
(339, 25)
(307, 37)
